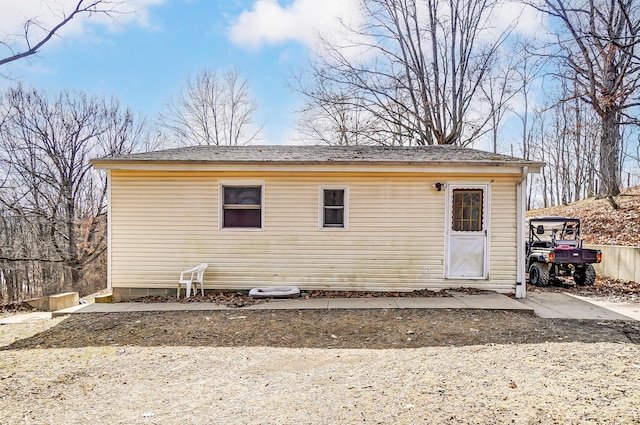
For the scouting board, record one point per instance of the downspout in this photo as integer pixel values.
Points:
(521, 286)
(109, 215)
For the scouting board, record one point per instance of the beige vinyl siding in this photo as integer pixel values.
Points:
(503, 235)
(162, 222)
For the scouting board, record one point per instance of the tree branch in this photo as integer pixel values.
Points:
(106, 7)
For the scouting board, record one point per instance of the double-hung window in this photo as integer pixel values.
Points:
(242, 206)
(334, 207)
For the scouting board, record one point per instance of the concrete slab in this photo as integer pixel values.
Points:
(490, 301)
(544, 304)
(543, 307)
(171, 306)
(161, 307)
(68, 310)
(361, 303)
(55, 302)
(435, 302)
(129, 307)
(206, 307)
(292, 304)
(26, 318)
(630, 310)
(555, 305)
(94, 308)
(106, 298)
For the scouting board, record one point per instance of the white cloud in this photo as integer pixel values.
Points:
(268, 22)
(526, 20)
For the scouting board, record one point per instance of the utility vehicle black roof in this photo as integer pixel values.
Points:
(559, 218)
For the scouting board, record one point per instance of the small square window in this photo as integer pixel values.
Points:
(333, 208)
(242, 206)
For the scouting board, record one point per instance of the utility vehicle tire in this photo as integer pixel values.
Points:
(539, 274)
(585, 276)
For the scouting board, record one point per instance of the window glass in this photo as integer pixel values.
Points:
(467, 210)
(334, 198)
(242, 206)
(241, 195)
(333, 208)
(334, 217)
(242, 218)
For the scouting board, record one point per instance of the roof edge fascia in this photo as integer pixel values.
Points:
(309, 166)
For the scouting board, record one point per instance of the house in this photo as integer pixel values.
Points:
(373, 218)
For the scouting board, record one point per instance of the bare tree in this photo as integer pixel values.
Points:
(417, 71)
(53, 200)
(565, 137)
(36, 34)
(212, 109)
(528, 70)
(332, 118)
(597, 42)
(499, 89)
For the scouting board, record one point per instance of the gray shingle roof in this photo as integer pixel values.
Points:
(319, 154)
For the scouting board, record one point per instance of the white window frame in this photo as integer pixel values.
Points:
(240, 183)
(321, 207)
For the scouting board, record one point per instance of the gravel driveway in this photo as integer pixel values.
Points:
(319, 367)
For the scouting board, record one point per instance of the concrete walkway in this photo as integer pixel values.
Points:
(486, 301)
(629, 310)
(556, 305)
(543, 304)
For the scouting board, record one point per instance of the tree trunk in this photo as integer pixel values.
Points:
(76, 277)
(609, 153)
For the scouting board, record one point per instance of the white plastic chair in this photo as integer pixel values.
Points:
(191, 278)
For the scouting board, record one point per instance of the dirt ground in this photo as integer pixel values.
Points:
(374, 329)
(319, 366)
(377, 329)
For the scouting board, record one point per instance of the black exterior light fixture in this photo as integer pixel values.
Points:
(438, 186)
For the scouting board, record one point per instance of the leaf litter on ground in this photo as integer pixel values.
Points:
(600, 223)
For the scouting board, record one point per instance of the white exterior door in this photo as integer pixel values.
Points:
(467, 218)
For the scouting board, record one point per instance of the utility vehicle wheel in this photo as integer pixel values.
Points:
(585, 276)
(539, 274)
